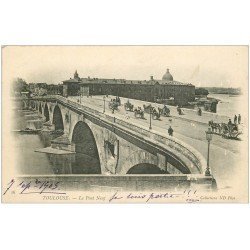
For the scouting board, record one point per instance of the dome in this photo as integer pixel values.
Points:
(167, 76)
(76, 76)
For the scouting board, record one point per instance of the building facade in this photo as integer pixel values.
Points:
(147, 90)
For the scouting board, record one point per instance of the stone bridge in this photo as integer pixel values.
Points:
(109, 145)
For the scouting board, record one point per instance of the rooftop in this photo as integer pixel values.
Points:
(167, 79)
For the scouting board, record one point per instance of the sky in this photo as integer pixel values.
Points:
(219, 66)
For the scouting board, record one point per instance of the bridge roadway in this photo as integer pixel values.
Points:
(190, 128)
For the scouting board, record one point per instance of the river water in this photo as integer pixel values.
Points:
(29, 161)
(228, 105)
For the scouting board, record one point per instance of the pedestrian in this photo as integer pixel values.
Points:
(127, 115)
(229, 122)
(239, 119)
(235, 119)
(170, 131)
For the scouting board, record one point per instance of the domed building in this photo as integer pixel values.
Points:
(151, 90)
(167, 77)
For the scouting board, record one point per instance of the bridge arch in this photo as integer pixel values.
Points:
(57, 118)
(87, 159)
(46, 112)
(146, 168)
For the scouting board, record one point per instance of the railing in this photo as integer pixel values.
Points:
(192, 158)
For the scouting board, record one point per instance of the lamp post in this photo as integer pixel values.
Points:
(79, 95)
(150, 118)
(103, 104)
(209, 138)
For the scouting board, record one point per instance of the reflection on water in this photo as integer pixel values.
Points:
(31, 162)
(85, 164)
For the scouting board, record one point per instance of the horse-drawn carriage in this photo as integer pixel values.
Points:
(165, 111)
(139, 113)
(118, 100)
(128, 106)
(113, 105)
(228, 131)
(155, 114)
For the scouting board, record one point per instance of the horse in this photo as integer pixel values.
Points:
(113, 105)
(155, 115)
(164, 111)
(147, 108)
(128, 106)
(139, 113)
(215, 126)
(118, 100)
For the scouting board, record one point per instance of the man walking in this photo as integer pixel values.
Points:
(170, 131)
(235, 119)
(239, 119)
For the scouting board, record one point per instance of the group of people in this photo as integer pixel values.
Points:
(237, 120)
(116, 99)
(138, 109)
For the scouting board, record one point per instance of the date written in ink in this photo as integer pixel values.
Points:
(34, 187)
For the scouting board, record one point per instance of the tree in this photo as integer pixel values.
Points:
(20, 85)
(201, 91)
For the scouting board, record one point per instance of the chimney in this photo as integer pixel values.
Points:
(152, 78)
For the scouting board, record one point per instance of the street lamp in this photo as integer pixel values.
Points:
(209, 138)
(150, 118)
(79, 95)
(103, 104)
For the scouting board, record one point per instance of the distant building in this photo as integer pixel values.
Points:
(147, 90)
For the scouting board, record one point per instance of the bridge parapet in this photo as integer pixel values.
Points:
(179, 150)
(191, 157)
